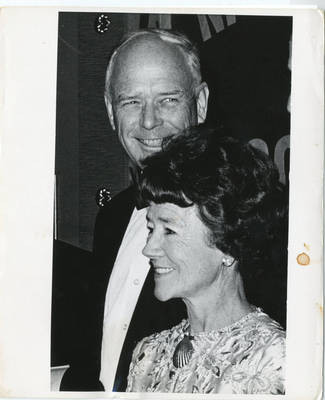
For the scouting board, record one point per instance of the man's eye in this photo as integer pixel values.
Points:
(129, 103)
(169, 100)
(169, 231)
(150, 230)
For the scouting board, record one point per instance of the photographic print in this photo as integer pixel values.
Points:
(173, 198)
(244, 64)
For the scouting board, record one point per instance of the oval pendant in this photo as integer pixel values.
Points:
(183, 352)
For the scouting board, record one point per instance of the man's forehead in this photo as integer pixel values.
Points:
(159, 66)
(150, 43)
(150, 50)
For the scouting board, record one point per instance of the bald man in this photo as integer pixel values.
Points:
(153, 90)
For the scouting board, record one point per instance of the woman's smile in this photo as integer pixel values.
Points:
(162, 270)
(184, 263)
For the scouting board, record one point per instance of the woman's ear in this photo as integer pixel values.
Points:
(227, 261)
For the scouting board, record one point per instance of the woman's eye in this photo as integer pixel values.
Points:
(150, 230)
(169, 231)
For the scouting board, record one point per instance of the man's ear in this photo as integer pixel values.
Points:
(202, 96)
(109, 108)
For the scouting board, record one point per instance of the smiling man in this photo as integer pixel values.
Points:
(153, 90)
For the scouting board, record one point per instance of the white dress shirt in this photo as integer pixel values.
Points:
(128, 276)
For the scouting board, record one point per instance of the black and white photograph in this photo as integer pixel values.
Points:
(178, 126)
(178, 192)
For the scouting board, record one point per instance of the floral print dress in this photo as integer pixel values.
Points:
(246, 357)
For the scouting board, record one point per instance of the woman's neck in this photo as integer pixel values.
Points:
(219, 307)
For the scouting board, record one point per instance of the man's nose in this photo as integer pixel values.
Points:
(150, 116)
(152, 249)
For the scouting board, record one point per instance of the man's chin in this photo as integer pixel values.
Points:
(141, 161)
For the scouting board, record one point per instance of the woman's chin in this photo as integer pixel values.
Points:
(161, 295)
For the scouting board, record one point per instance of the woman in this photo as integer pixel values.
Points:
(215, 216)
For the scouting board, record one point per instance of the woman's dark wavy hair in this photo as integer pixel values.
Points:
(239, 198)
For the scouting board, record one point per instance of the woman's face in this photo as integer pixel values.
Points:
(184, 263)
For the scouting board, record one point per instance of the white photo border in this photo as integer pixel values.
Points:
(28, 43)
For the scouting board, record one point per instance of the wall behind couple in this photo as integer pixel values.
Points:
(244, 61)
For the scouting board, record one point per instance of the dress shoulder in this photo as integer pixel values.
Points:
(159, 339)
(246, 357)
(260, 365)
(147, 352)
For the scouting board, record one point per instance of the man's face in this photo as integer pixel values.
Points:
(152, 96)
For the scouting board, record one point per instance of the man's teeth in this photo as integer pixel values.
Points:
(151, 142)
(159, 270)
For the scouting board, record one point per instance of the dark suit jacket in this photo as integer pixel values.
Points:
(150, 314)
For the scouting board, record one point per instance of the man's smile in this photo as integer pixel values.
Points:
(151, 142)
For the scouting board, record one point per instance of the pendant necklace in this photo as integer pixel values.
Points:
(183, 351)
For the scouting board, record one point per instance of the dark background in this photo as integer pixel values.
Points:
(245, 63)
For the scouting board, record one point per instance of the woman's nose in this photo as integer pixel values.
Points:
(150, 116)
(152, 249)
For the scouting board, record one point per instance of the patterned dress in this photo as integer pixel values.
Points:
(246, 357)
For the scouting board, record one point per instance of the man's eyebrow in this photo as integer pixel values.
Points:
(126, 97)
(173, 92)
(122, 97)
